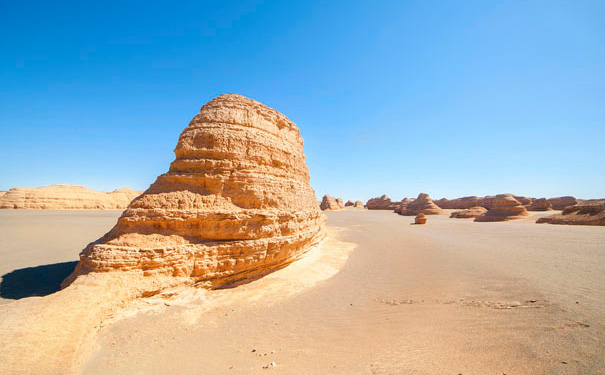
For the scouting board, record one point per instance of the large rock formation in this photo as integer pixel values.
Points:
(403, 205)
(330, 203)
(523, 200)
(468, 213)
(423, 204)
(540, 204)
(236, 203)
(358, 204)
(503, 207)
(560, 203)
(349, 204)
(67, 197)
(382, 203)
(581, 214)
(340, 203)
(460, 203)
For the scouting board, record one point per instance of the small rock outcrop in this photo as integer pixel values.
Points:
(421, 205)
(331, 204)
(236, 203)
(468, 213)
(403, 205)
(581, 214)
(420, 219)
(340, 203)
(540, 204)
(523, 200)
(358, 204)
(460, 203)
(66, 197)
(503, 207)
(560, 203)
(349, 204)
(381, 203)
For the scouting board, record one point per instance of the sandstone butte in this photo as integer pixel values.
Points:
(560, 203)
(330, 203)
(235, 205)
(403, 205)
(540, 204)
(66, 197)
(460, 203)
(581, 214)
(349, 204)
(468, 213)
(358, 204)
(503, 207)
(422, 205)
(382, 203)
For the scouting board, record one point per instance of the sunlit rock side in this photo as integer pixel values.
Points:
(235, 204)
(330, 203)
(381, 203)
(559, 203)
(421, 205)
(66, 197)
(540, 204)
(503, 207)
(580, 214)
(468, 213)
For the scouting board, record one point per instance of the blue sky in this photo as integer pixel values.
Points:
(451, 98)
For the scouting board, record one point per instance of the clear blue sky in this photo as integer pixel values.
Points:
(451, 98)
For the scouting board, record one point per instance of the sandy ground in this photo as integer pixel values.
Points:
(451, 297)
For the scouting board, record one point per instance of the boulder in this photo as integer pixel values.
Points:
(539, 204)
(382, 203)
(468, 213)
(235, 205)
(340, 203)
(560, 203)
(503, 207)
(423, 204)
(420, 219)
(581, 214)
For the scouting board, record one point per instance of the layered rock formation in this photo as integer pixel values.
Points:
(560, 203)
(235, 204)
(381, 203)
(66, 197)
(468, 213)
(581, 214)
(340, 203)
(349, 204)
(422, 205)
(460, 203)
(403, 205)
(331, 203)
(540, 204)
(420, 219)
(358, 204)
(523, 200)
(503, 207)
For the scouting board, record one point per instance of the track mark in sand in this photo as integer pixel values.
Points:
(496, 305)
(573, 325)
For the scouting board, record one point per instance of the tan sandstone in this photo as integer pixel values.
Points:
(581, 214)
(468, 213)
(420, 219)
(381, 203)
(330, 203)
(423, 204)
(66, 197)
(540, 204)
(504, 207)
(235, 204)
(358, 204)
(560, 203)
(349, 204)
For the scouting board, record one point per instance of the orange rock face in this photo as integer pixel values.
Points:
(560, 203)
(503, 207)
(236, 203)
(420, 219)
(358, 204)
(331, 203)
(67, 197)
(581, 214)
(540, 204)
(468, 213)
(382, 203)
(460, 203)
(422, 205)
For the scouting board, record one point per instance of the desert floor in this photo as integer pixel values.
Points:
(382, 296)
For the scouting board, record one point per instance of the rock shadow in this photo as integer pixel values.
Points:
(35, 281)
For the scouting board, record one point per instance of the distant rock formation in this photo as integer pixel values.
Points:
(420, 219)
(468, 213)
(403, 205)
(340, 203)
(349, 204)
(523, 200)
(423, 204)
(235, 205)
(560, 203)
(581, 214)
(358, 204)
(382, 203)
(460, 203)
(330, 203)
(504, 207)
(66, 197)
(539, 204)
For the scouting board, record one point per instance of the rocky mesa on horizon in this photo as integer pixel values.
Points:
(66, 197)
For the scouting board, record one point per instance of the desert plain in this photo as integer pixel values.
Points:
(379, 296)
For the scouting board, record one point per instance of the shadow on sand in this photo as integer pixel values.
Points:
(35, 281)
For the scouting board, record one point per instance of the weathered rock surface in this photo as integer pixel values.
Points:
(381, 203)
(468, 213)
(503, 207)
(539, 204)
(523, 200)
(235, 204)
(340, 203)
(331, 203)
(66, 197)
(349, 204)
(460, 203)
(420, 219)
(581, 214)
(403, 205)
(422, 205)
(358, 204)
(560, 203)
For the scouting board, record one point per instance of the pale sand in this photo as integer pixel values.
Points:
(453, 296)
